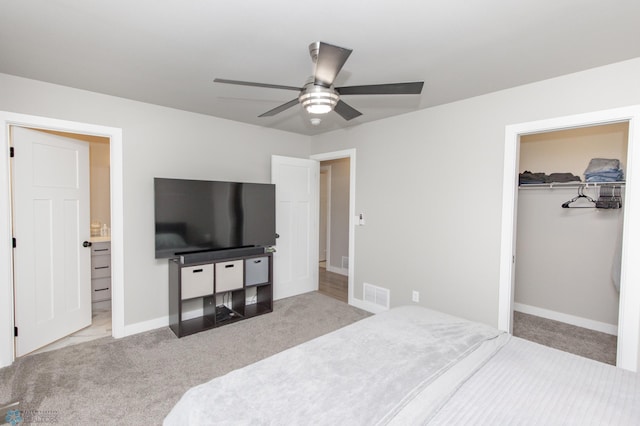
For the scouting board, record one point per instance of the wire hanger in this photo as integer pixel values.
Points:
(581, 194)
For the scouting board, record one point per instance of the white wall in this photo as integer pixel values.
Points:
(157, 141)
(430, 185)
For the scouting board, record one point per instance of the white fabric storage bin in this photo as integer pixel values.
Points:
(229, 276)
(197, 281)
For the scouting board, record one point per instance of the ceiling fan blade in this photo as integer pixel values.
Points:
(414, 88)
(249, 83)
(346, 111)
(329, 63)
(280, 108)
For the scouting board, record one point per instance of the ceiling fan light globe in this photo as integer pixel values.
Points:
(318, 108)
(318, 100)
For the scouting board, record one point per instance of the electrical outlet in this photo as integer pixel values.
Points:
(415, 296)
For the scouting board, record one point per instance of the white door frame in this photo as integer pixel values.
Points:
(7, 119)
(628, 354)
(351, 154)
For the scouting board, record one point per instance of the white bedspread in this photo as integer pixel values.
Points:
(364, 374)
(530, 384)
(414, 366)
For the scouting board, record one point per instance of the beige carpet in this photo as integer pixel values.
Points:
(137, 380)
(566, 337)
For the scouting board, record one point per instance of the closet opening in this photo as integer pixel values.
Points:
(571, 194)
(628, 348)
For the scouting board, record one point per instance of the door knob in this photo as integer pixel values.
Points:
(86, 244)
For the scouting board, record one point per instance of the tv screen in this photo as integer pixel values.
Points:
(195, 215)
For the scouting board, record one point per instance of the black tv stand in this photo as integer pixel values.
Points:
(229, 288)
(224, 314)
(204, 256)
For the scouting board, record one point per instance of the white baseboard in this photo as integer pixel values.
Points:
(367, 306)
(341, 271)
(566, 318)
(143, 326)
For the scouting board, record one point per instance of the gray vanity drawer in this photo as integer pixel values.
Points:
(100, 266)
(100, 248)
(100, 289)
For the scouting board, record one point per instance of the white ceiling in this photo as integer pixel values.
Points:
(168, 52)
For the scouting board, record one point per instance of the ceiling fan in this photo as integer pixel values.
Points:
(319, 96)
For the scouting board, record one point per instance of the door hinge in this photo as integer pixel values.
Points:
(15, 331)
(12, 153)
(14, 242)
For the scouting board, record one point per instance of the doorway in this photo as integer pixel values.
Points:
(100, 219)
(8, 119)
(629, 314)
(566, 287)
(340, 211)
(334, 229)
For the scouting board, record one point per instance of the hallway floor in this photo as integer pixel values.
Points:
(333, 285)
(100, 327)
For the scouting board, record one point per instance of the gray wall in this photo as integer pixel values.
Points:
(157, 141)
(428, 182)
(430, 186)
(564, 257)
(339, 211)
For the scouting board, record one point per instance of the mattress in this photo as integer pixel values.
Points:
(412, 365)
(529, 384)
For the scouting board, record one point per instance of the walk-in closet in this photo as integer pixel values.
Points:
(569, 238)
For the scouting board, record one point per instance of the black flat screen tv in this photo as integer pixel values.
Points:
(194, 216)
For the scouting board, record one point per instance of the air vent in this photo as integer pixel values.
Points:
(377, 295)
(345, 262)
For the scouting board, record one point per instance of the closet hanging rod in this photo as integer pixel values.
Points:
(574, 184)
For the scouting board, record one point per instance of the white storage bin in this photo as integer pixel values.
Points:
(229, 276)
(197, 281)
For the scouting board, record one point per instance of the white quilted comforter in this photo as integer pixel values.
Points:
(412, 365)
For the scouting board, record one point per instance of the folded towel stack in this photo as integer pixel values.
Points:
(529, 178)
(603, 170)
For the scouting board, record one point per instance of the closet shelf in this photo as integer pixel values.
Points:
(574, 184)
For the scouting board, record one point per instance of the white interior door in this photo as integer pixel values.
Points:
(52, 273)
(296, 258)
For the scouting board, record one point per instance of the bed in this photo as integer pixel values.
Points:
(412, 365)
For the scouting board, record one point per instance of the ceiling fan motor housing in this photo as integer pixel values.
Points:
(313, 51)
